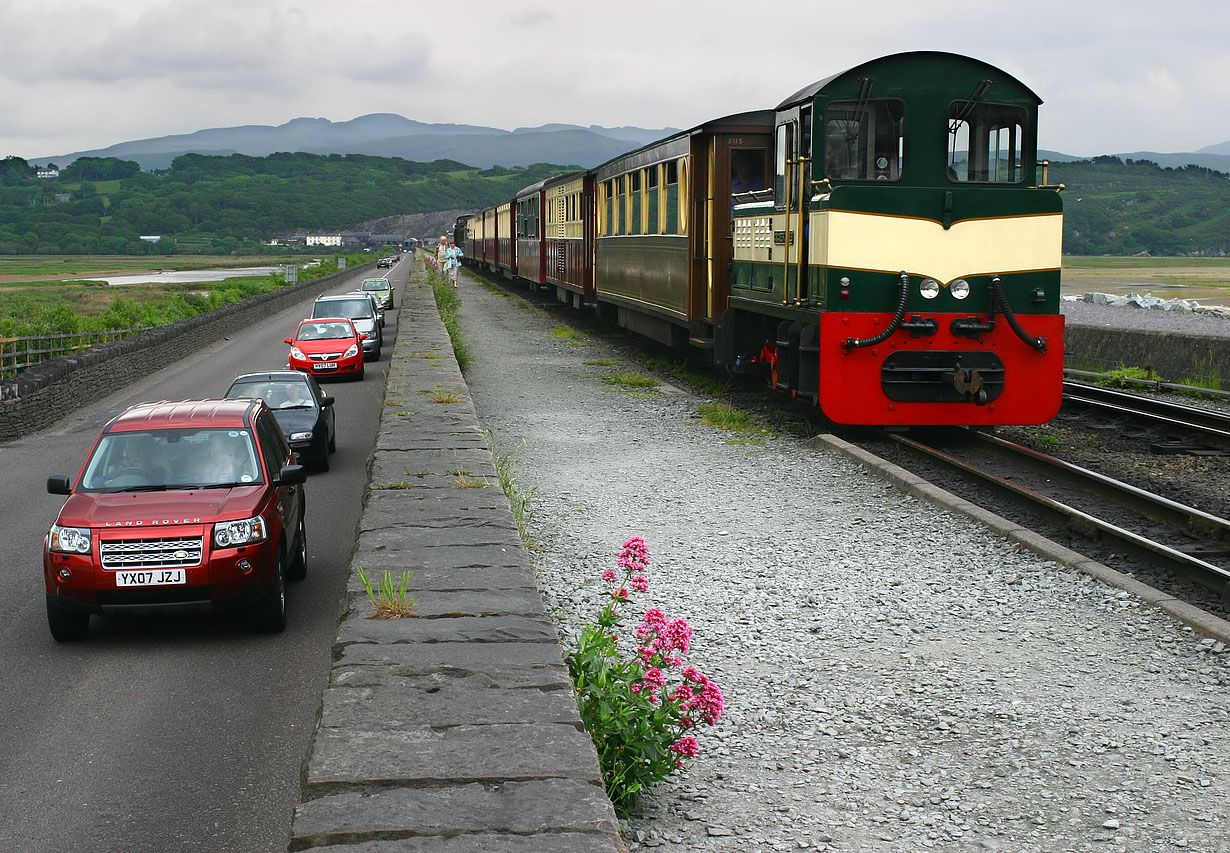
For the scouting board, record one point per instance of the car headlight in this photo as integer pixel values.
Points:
(929, 288)
(352, 351)
(247, 531)
(300, 436)
(959, 289)
(70, 540)
(295, 352)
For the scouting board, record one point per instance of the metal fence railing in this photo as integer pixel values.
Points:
(18, 353)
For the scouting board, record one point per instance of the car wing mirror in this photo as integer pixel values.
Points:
(326, 401)
(362, 336)
(291, 475)
(289, 340)
(58, 484)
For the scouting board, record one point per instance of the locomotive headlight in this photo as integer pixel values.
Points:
(959, 289)
(845, 281)
(929, 288)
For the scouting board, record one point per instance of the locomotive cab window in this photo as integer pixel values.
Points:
(984, 142)
(864, 141)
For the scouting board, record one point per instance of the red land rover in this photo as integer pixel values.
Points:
(179, 506)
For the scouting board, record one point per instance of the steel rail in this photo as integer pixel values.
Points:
(1215, 578)
(1212, 427)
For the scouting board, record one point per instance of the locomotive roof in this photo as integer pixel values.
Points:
(809, 92)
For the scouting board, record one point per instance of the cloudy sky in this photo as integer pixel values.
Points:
(1115, 77)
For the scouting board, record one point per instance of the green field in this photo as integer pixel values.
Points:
(1204, 279)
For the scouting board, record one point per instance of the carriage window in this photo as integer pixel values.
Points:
(984, 143)
(672, 172)
(864, 141)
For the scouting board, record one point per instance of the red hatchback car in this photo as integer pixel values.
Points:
(327, 346)
(179, 506)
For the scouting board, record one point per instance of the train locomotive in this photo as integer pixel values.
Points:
(883, 244)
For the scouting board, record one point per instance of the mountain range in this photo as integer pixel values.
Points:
(389, 135)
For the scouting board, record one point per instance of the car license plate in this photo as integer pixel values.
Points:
(156, 577)
(327, 365)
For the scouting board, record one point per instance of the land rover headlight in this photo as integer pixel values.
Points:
(70, 540)
(247, 531)
(959, 289)
(929, 288)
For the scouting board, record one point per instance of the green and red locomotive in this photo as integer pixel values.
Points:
(882, 244)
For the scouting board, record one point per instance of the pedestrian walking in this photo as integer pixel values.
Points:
(452, 260)
(441, 251)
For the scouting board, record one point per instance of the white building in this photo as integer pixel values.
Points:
(323, 240)
(46, 173)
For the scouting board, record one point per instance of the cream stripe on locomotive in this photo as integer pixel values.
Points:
(923, 247)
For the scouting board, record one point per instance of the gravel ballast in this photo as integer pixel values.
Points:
(896, 677)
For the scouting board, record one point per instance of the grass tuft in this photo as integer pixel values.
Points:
(518, 499)
(443, 395)
(448, 303)
(389, 598)
(723, 416)
(563, 333)
(626, 379)
(602, 362)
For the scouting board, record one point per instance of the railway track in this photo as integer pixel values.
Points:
(1170, 427)
(1155, 536)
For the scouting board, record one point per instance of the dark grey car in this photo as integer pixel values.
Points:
(303, 412)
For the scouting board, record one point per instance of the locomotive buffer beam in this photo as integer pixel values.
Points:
(969, 385)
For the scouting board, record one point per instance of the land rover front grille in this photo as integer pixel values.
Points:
(168, 553)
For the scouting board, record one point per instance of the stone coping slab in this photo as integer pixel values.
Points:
(455, 729)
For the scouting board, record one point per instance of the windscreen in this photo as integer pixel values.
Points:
(153, 460)
(277, 394)
(352, 309)
(324, 331)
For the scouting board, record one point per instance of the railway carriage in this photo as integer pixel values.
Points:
(568, 236)
(662, 245)
(881, 243)
(528, 226)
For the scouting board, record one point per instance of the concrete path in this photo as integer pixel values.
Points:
(455, 729)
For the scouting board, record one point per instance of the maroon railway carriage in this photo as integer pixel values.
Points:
(568, 236)
(529, 221)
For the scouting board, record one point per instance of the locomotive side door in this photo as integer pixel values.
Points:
(791, 201)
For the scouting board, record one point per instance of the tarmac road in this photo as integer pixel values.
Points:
(170, 734)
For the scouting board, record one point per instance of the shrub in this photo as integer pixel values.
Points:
(642, 708)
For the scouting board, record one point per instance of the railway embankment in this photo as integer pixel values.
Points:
(1177, 347)
(897, 675)
(454, 728)
(41, 394)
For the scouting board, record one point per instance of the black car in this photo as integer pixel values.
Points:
(302, 410)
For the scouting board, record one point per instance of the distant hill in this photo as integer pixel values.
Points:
(387, 135)
(1215, 157)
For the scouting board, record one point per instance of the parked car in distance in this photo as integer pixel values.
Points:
(384, 263)
(383, 290)
(302, 410)
(360, 309)
(328, 346)
(179, 506)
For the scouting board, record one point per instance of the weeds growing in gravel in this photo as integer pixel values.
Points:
(448, 303)
(723, 416)
(642, 709)
(1121, 376)
(563, 333)
(679, 370)
(626, 380)
(389, 598)
(602, 362)
(518, 499)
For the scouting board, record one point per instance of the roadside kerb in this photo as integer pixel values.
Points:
(1202, 621)
(454, 729)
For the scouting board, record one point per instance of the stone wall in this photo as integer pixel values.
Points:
(44, 393)
(1172, 356)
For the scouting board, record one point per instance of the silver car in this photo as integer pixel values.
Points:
(360, 309)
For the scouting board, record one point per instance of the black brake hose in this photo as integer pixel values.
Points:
(903, 296)
(1001, 302)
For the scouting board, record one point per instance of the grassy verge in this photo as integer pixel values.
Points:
(518, 498)
(448, 303)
